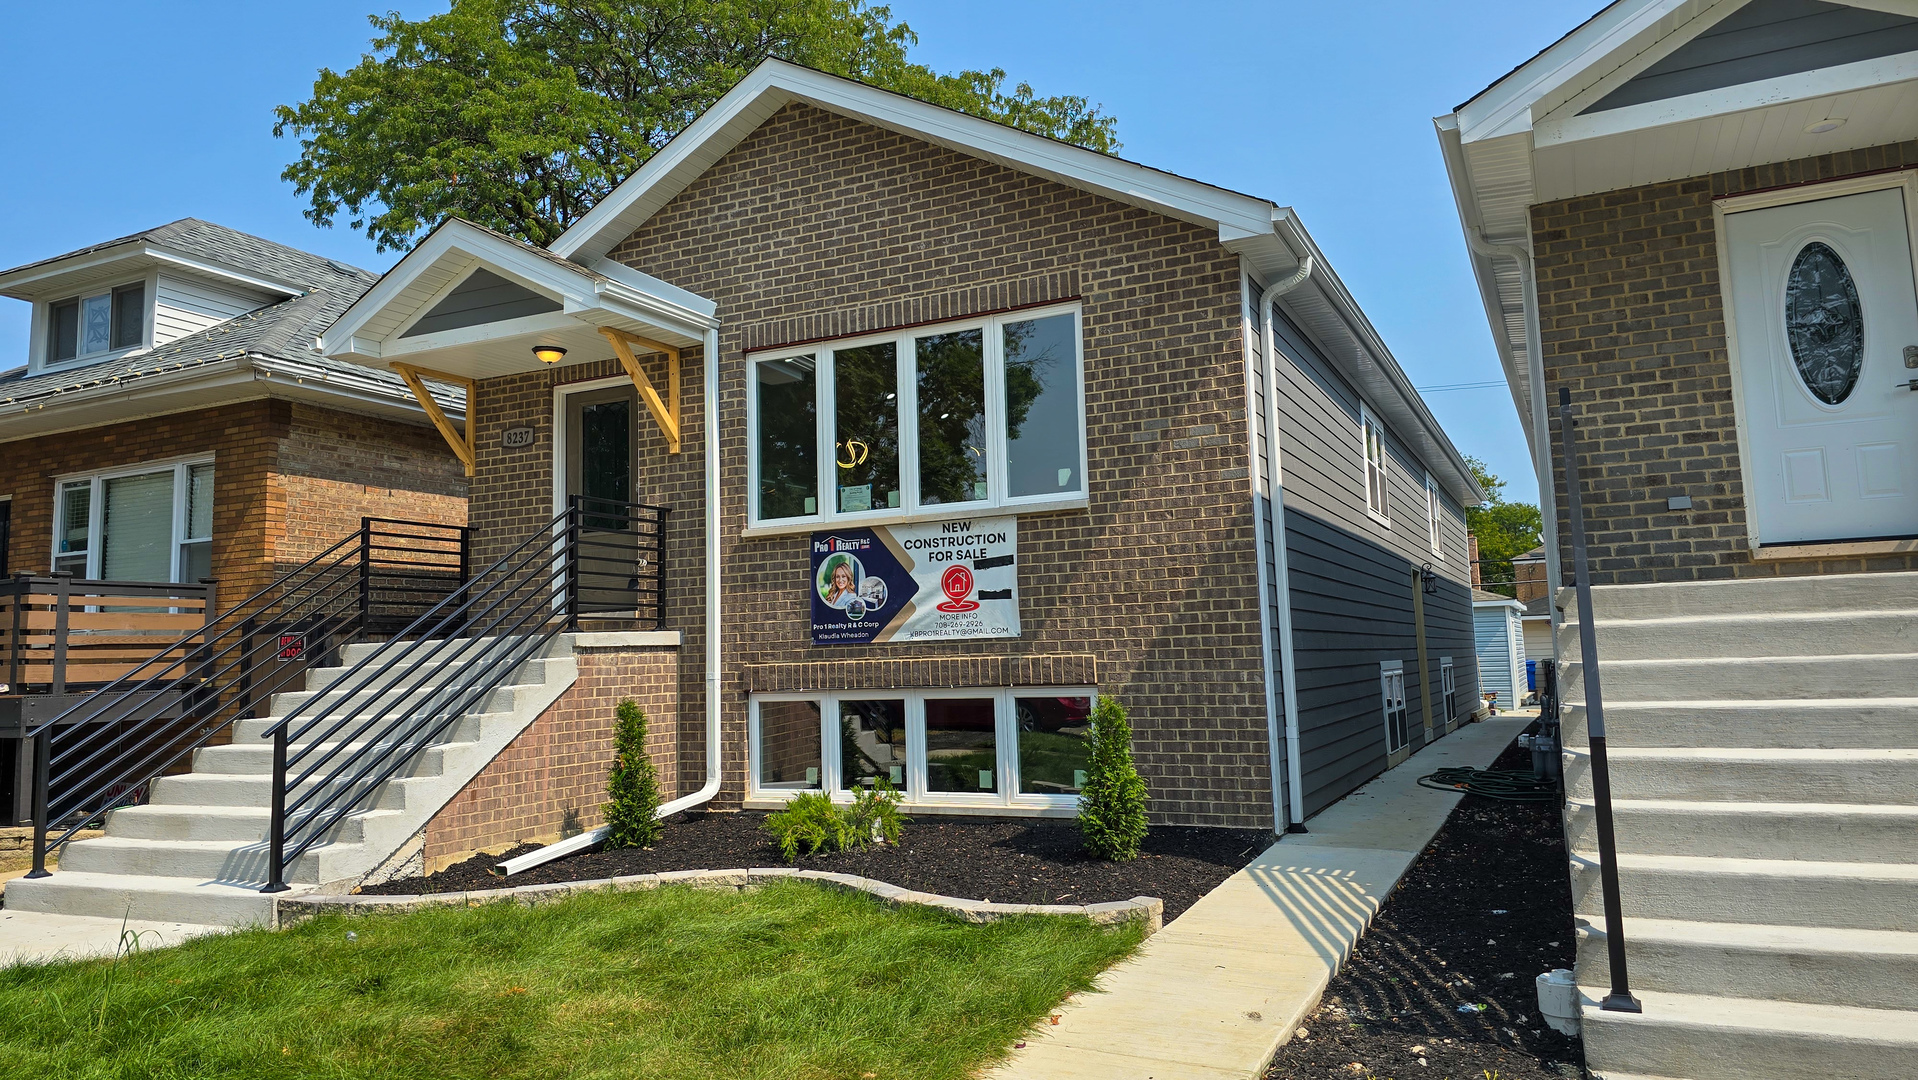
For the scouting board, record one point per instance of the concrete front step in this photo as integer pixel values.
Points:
(1810, 594)
(1852, 775)
(227, 823)
(1871, 969)
(254, 729)
(1846, 832)
(1878, 675)
(256, 789)
(241, 862)
(1713, 635)
(256, 758)
(1860, 896)
(1829, 723)
(394, 703)
(161, 899)
(1728, 1038)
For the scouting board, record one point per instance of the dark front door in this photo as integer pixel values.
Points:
(601, 466)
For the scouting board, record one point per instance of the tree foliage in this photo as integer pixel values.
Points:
(521, 114)
(632, 809)
(1504, 529)
(1112, 801)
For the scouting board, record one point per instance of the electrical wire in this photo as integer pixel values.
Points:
(1505, 785)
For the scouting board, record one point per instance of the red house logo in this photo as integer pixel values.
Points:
(957, 584)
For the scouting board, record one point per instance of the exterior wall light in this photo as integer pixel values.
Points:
(548, 354)
(1428, 578)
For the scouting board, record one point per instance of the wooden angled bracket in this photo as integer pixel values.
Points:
(461, 442)
(665, 411)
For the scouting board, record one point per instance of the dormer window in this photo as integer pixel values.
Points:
(86, 326)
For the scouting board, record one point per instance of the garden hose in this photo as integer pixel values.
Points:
(1505, 785)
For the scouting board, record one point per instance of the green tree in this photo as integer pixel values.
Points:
(1504, 529)
(1112, 801)
(632, 808)
(521, 114)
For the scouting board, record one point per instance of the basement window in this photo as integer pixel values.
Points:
(921, 423)
(957, 747)
(1392, 691)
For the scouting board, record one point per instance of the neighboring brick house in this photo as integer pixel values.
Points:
(910, 324)
(173, 421)
(1698, 222)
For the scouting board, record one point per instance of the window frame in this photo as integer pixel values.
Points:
(1008, 797)
(911, 508)
(42, 358)
(182, 469)
(1380, 512)
(1435, 516)
(1392, 672)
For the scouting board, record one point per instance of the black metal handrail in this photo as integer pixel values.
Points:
(102, 752)
(1620, 999)
(335, 751)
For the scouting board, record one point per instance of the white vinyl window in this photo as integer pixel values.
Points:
(955, 417)
(1450, 688)
(1020, 746)
(1392, 691)
(1376, 480)
(83, 327)
(1434, 518)
(152, 523)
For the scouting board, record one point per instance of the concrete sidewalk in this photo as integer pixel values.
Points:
(34, 936)
(1214, 994)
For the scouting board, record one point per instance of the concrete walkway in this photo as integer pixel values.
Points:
(34, 936)
(1215, 993)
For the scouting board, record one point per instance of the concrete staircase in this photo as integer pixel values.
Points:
(1763, 739)
(195, 851)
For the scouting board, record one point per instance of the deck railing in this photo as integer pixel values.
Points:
(65, 633)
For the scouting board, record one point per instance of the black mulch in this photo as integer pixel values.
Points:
(1009, 861)
(1482, 912)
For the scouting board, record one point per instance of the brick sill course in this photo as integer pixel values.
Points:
(1147, 910)
(1849, 549)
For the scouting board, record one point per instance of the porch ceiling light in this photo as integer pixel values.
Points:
(1819, 127)
(548, 354)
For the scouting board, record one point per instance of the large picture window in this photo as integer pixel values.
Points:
(145, 524)
(958, 747)
(984, 413)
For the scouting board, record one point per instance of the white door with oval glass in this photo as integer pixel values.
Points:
(1823, 306)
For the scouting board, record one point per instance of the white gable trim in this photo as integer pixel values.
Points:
(775, 83)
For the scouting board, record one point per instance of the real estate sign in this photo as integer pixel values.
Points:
(936, 581)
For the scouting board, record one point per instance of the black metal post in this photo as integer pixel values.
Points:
(571, 555)
(276, 827)
(366, 573)
(42, 750)
(1620, 999)
(659, 570)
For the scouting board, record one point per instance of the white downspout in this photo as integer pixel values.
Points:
(1295, 820)
(709, 358)
(1541, 427)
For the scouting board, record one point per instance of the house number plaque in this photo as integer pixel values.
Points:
(515, 438)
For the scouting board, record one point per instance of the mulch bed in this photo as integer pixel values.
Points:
(1482, 912)
(1008, 861)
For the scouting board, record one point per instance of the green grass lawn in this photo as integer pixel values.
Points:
(791, 981)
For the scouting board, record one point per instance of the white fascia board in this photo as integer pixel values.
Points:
(1630, 59)
(85, 406)
(775, 82)
(20, 283)
(325, 386)
(1823, 82)
(657, 289)
(142, 253)
(1505, 107)
(1491, 604)
(216, 270)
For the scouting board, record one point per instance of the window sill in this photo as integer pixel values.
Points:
(977, 808)
(1848, 549)
(905, 517)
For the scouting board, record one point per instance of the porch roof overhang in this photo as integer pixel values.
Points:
(1539, 134)
(580, 302)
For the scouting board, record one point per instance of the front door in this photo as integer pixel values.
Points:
(1823, 308)
(601, 468)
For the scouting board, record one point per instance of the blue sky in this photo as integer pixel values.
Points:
(121, 116)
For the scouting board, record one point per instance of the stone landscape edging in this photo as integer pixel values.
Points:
(1147, 910)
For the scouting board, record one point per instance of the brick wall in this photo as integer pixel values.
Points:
(1633, 322)
(336, 468)
(550, 782)
(818, 226)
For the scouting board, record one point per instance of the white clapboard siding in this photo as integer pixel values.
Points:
(185, 306)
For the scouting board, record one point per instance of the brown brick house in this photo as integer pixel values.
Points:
(173, 422)
(957, 426)
(1698, 221)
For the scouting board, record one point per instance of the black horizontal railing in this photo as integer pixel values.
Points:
(335, 751)
(104, 750)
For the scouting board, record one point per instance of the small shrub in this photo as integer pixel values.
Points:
(812, 824)
(632, 812)
(1112, 800)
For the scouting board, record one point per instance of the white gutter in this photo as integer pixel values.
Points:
(1521, 253)
(1295, 820)
(710, 359)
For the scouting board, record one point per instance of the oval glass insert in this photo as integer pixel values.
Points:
(1824, 323)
